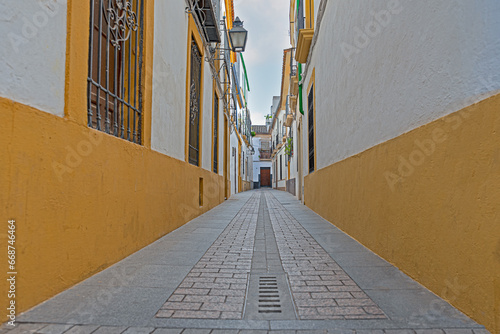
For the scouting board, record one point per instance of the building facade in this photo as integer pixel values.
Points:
(118, 118)
(279, 131)
(261, 139)
(284, 129)
(397, 114)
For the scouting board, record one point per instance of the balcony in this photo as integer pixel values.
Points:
(205, 12)
(304, 44)
(265, 155)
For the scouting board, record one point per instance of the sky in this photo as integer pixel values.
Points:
(267, 22)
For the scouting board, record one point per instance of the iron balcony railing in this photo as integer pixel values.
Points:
(264, 155)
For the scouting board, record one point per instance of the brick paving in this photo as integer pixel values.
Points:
(320, 288)
(215, 288)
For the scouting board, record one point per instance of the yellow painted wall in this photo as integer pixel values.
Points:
(111, 199)
(285, 80)
(247, 185)
(439, 221)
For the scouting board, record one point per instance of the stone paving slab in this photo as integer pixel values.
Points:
(215, 288)
(328, 273)
(321, 289)
(29, 329)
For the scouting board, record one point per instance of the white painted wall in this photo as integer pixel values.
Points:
(432, 58)
(248, 175)
(256, 144)
(33, 53)
(257, 163)
(294, 160)
(221, 137)
(169, 88)
(278, 127)
(207, 140)
(233, 163)
(169, 78)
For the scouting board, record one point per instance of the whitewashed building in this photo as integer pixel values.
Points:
(262, 174)
(398, 113)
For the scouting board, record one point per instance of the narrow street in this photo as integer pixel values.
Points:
(259, 263)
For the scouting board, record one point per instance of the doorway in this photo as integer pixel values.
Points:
(265, 176)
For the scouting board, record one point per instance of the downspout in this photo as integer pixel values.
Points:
(301, 107)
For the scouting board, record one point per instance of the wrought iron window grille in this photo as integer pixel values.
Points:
(310, 121)
(115, 68)
(216, 134)
(194, 104)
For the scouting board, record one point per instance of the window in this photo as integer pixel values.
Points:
(194, 104)
(115, 68)
(309, 7)
(276, 170)
(216, 133)
(310, 123)
(281, 167)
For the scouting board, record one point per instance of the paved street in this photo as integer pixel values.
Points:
(259, 263)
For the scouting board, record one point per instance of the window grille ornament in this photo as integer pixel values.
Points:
(193, 105)
(195, 78)
(122, 21)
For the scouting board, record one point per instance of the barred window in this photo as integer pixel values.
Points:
(115, 68)
(310, 121)
(281, 167)
(194, 104)
(216, 133)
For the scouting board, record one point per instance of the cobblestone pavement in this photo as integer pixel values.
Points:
(259, 263)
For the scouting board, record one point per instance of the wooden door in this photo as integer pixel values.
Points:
(265, 177)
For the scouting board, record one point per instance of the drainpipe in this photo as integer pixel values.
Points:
(301, 108)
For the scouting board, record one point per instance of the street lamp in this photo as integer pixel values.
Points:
(238, 36)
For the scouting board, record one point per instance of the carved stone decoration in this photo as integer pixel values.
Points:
(122, 21)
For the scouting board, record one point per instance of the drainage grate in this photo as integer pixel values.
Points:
(269, 298)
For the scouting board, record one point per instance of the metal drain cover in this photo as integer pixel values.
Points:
(269, 298)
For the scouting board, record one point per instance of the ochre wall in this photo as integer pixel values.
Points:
(83, 200)
(428, 201)
(247, 185)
